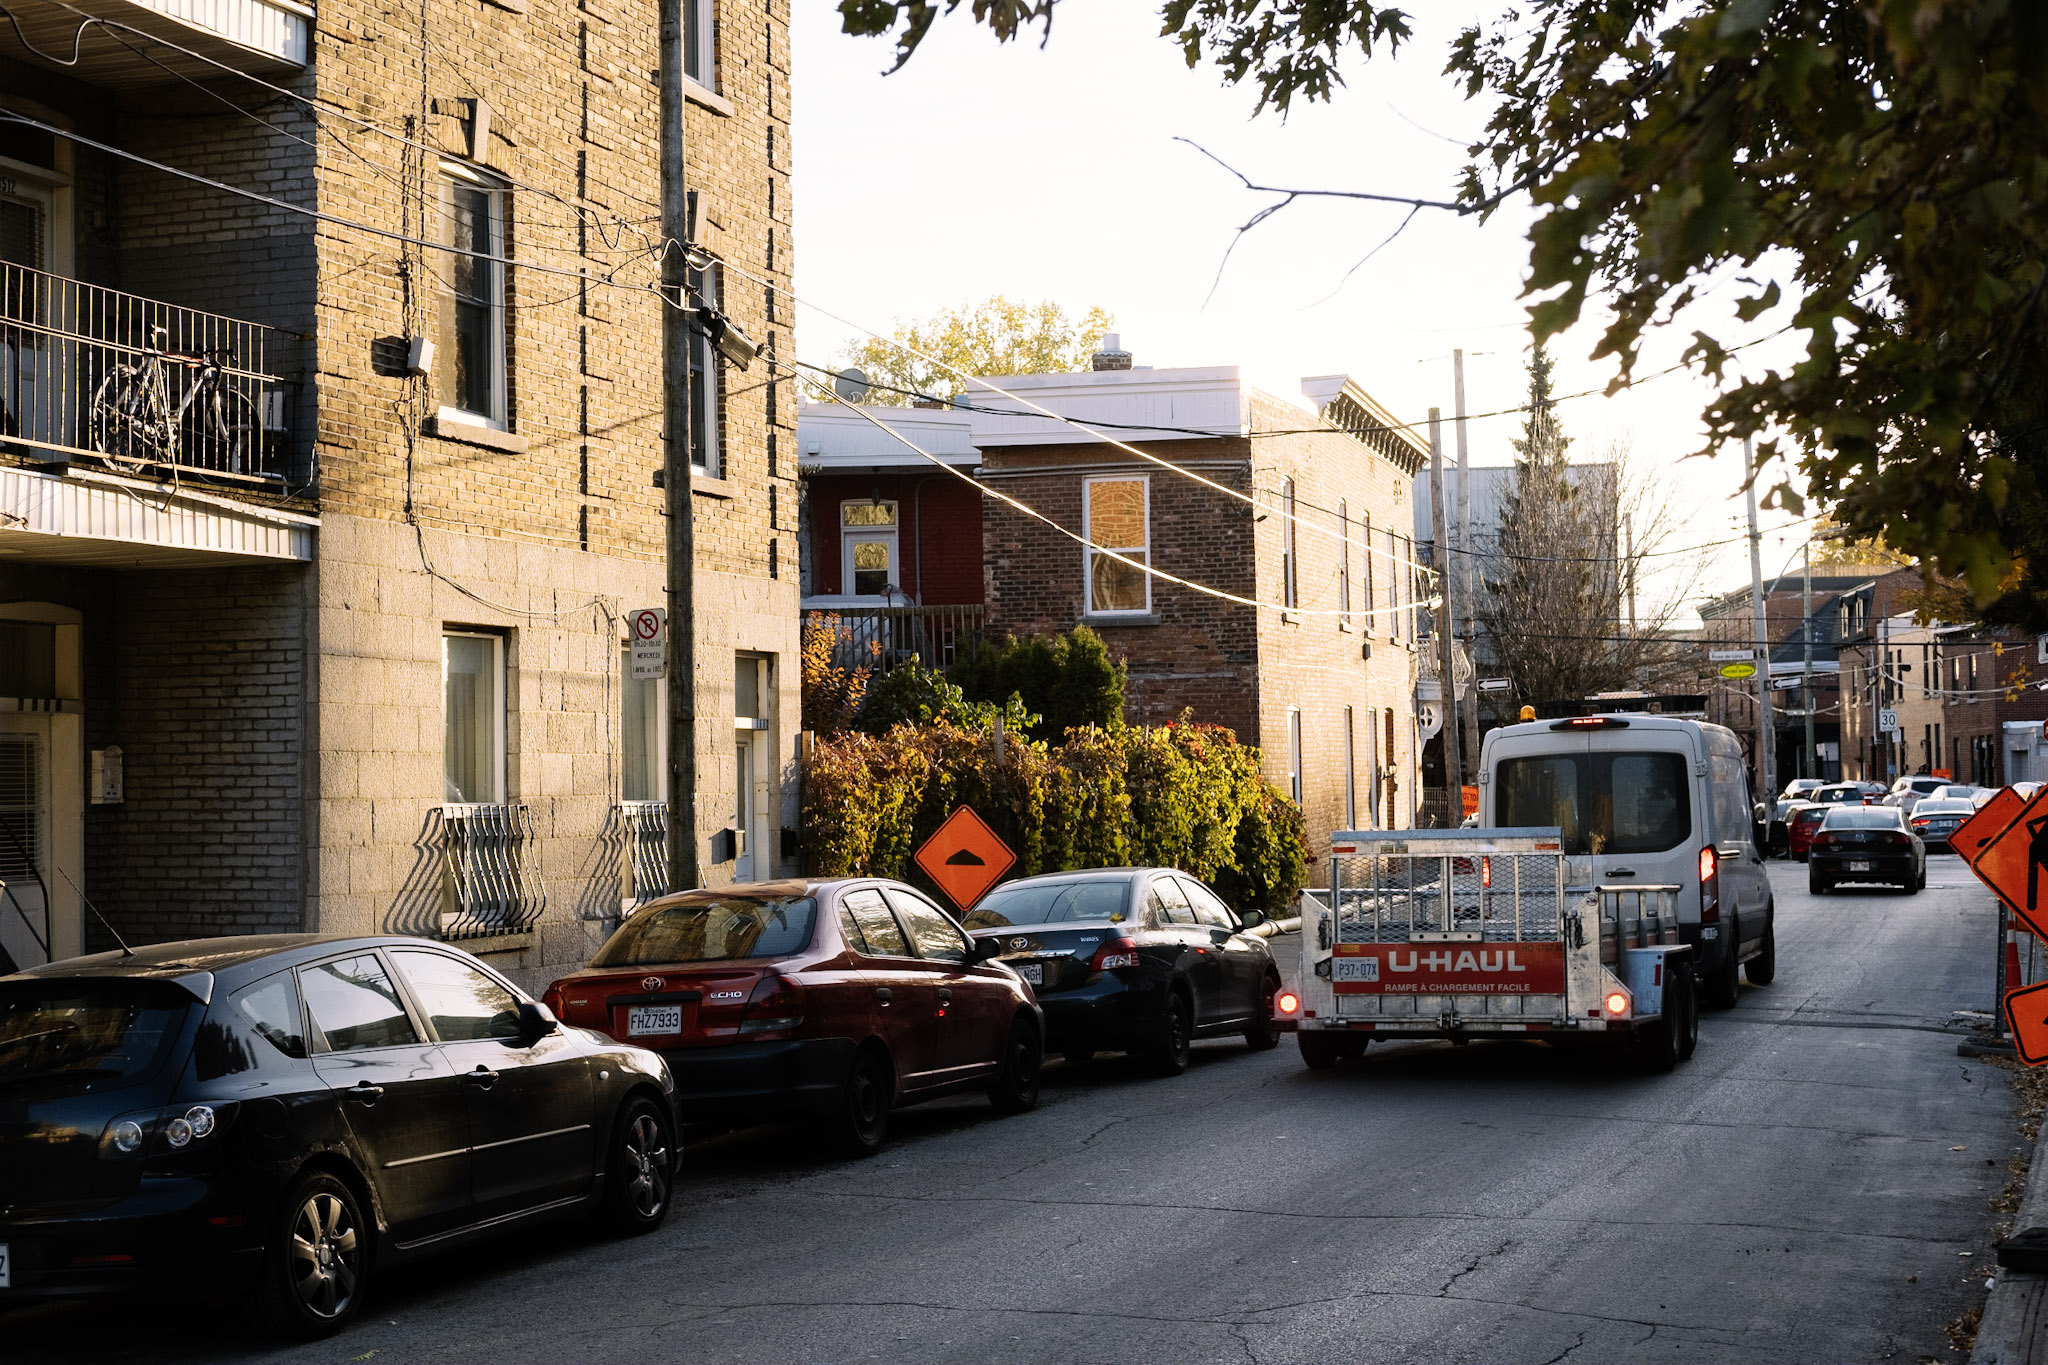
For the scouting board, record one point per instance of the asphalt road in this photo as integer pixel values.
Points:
(1803, 1190)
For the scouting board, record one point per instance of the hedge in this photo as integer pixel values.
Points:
(1183, 795)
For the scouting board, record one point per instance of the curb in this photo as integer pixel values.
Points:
(2014, 1329)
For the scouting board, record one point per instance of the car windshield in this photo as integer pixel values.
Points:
(1051, 903)
(1811, 815)
(1863, 817)
(1839, 795)
(101, 1033)
(1604, 801)
(711, 928)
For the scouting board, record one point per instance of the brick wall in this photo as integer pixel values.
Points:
(938, 531)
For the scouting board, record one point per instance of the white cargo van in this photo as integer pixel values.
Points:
(1646, 800)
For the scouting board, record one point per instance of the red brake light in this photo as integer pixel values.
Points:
(1115, 953)
(1617, 1003)
(1710, 886)
(1287, 1002)
(775, 1005)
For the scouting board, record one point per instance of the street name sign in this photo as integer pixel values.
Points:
(965, 858)
(1726, 656)
(1493, 684)
(1738, 670)
(2014, 863)
(647, 643)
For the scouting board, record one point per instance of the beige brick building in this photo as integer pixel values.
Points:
(341, 645)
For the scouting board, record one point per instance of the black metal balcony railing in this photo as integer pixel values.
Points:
(882, 637)
(645, 872)
(487, 887)
(88, 372)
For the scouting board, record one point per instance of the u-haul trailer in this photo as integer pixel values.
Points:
(1466, 934)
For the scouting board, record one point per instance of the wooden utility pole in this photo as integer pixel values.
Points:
(1766, 728)
(1447, 646)
(676, 319)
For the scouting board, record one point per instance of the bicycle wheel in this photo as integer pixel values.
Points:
(129, 418)
(223, 432)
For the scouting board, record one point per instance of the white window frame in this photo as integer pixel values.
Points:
(1344, 565)
(1350, 772)
(1089, 552)
(1295, 780)
(708, 285)
(700, 21)
(1290, 560)
(657, 723)
(498, 709)
(848, 534)
(462, 175)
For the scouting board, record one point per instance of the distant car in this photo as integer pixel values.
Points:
(833, 1001)
(1780, 841)
(1846, 793)
(1936, 817)
(1799, 832)
(1133, 959)
(288, 1114)
(1866, 844)
(1955, 791)
(1798, 787)
(1908, 792)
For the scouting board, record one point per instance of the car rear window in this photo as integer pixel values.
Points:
(1863, 817)
(1605, 802)
(1050, 903)
(102, 1034)
(711, 929)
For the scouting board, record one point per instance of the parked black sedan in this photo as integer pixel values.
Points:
(287, 1114)
(1142, 960)
(1865, 844)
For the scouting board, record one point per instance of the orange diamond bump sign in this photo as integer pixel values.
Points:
(965, 857)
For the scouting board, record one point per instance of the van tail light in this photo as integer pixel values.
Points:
(1115, 953)
(776, 1005)
(1710, 886)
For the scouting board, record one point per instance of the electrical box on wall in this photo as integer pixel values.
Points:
(104, 781)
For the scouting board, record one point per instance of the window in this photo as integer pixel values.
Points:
(877, 926)
(711, 926)
(1604, 802)
(1294, 754)
(1208, 910)
(700, 42)
(1350, 774)
(1169, 903)
(355, 1006)
(460, 1002)
(707, 419)
(938, 939)
(1365, 567)
(475, 320)
(867, 548)
(1050, 903)
(643, 734)
(1290, 593)
(271, 1007)
(1344, 563)
(473, 718)
(1117, 515)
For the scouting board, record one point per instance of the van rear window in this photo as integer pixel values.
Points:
(1604, 802)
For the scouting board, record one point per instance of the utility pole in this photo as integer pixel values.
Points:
(676, 319)
(1766, 731)
(1809, 754)
(1469, 709)
(1447, 647)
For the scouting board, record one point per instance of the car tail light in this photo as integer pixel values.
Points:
(1897, 840)
(1115, 953)
(1710, 886)
(775, 1005)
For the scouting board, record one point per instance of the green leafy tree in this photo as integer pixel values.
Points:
(1881, 167)
(1070, 680)
(996, 336)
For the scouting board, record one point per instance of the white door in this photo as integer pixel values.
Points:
(25, 919)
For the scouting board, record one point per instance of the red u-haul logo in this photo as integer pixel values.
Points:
(1448, 969)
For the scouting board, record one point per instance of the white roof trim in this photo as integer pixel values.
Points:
(86, 518)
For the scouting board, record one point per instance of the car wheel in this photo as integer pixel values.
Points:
(1689, 1021)
(1319, 1051)
(1921, 884)
(1724, 987)
(1264, 1033)
(640, 1174)
(1816, 884)
(1764, 966)
(1173, 1037)
(862, 1124)
(1015, 1088)
(317, 1263)
(1660, 1046)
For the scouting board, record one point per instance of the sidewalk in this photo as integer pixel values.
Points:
(2014, 1330)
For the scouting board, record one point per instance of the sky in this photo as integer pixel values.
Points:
(1053, 171)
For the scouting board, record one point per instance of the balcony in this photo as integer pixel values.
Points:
(643, 871)
(139, 386)
(487, 887)
(882, 637)
(193, 39)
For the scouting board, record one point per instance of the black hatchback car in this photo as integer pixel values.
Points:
(286, 1114)
(1866, 844)
(1133, 959)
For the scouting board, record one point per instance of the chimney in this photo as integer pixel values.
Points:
(1112, 356)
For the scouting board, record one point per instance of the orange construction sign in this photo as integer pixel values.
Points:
(1986, 823)
(2014, 863)
(965, 857)
(2026, 1013)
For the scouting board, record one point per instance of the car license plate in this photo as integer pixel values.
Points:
(6, 1269)
(1034, 972)
(1859, 867)
(642, 1020)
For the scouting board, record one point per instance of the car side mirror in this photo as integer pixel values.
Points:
(1251, 919)
(536, 1021)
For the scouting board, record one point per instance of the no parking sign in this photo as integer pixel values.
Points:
(647, 643)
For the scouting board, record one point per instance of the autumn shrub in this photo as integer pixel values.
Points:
(1069, 680)
(1182, 795)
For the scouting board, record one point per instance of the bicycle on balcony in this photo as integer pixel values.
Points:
(212, 426)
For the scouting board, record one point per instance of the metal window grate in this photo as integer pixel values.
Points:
(646, 851)
(487, 886)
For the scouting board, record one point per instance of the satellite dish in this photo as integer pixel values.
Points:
(851, 384)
